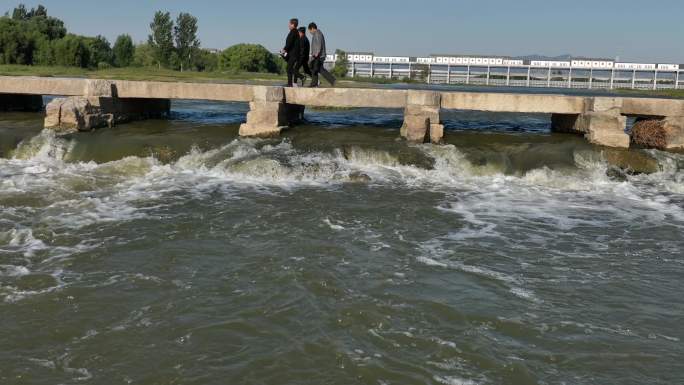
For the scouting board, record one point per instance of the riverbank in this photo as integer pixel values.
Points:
(678, 94)
(137, 73)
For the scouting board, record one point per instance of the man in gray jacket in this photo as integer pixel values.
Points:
(317, 53)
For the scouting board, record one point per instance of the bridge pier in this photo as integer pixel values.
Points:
(269, 114)
(601, 123)
(422, 117)
(79, 113)
(20, 102)
(100, 107)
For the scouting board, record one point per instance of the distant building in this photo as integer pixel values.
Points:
(506, 61)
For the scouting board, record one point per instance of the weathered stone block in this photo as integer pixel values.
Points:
(269, 94)
(436, 133)
(423, 98)
(601, 104)
(68, 115)
(53, 112)
(266, 118)
(422, 123)
(431, 112)
(269, 118)
(72, 111)
(250, 130)
(416, 128)
(604, 129)
(100, 88)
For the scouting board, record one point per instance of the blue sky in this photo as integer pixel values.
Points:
(635, 31)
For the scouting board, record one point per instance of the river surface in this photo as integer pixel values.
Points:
(173, 252)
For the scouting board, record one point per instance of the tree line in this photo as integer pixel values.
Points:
(33, 37)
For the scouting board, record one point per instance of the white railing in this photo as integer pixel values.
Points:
(520, 76)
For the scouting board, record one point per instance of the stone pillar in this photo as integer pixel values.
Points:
(269, 114)
(422, 117)
(80, 113)
(19, 102)
(664, 134)
(601, 123)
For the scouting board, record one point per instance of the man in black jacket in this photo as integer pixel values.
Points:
(303, 58)
(291, 50)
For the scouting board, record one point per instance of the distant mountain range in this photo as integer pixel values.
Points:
(542, 57)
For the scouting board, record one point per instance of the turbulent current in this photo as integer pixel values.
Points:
(174, 252)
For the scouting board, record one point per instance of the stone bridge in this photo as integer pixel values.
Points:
(90, 103)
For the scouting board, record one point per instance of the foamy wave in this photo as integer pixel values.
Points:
(13, 271)
(21, 240)
(77, 194)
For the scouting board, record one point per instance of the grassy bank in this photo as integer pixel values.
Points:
(156, 74)
(678, 94)
(138, 73)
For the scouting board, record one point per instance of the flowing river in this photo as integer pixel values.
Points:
(174, 252)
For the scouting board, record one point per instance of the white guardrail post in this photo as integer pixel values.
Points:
(634, 79)
(612, 77)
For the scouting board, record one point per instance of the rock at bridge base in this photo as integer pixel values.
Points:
(422, 118)
(74, 114)
(604, 129)
(602, 123)
(19, 102)
(663, 134)
(268, 119)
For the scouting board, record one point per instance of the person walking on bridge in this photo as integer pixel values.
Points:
(318, 53)
(303, 57)
(290, 51)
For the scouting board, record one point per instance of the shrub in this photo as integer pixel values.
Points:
(250, 58)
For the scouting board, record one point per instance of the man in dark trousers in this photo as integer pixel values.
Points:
(303, 58)
(317, 53)
(291, 50)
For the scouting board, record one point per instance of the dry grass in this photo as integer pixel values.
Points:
(649, 133)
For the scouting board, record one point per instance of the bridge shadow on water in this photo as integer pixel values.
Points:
(216, 113)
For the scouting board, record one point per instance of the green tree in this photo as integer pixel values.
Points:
(40, 11)
(24, 32)
(20, 13)
(123, 51)
(44, 54)
(17, 41)
(51, 28)
(248, 57)
(187, 43)
(100, 51)
(341, 68)
(71, 51)
(161, 39)
(206, 61)
(144, 56)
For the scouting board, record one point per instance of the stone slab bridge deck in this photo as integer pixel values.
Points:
(85, 104)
